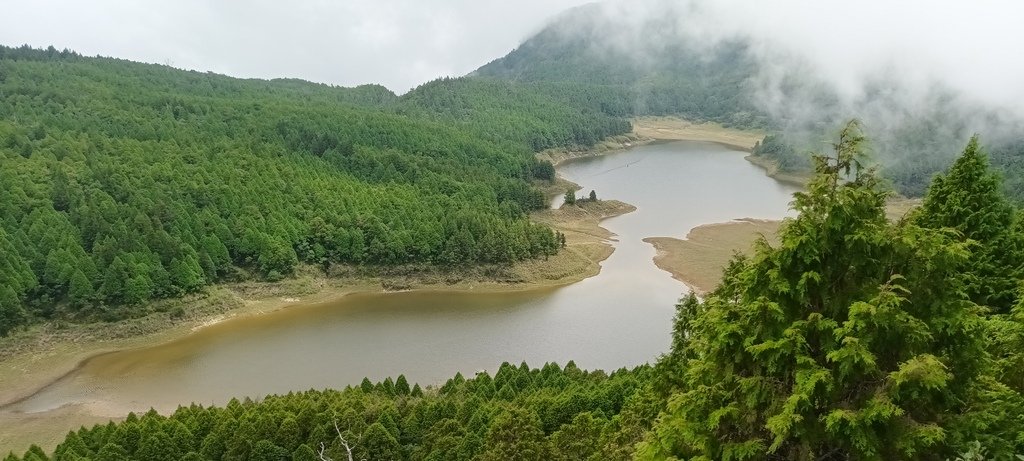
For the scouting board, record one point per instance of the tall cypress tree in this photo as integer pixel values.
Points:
(969, 198)
(851, 339)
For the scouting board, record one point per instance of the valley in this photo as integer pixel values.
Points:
(567, 231)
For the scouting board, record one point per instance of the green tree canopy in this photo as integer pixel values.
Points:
(851, 339)
(969, 198)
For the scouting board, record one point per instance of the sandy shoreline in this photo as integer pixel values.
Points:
(24, 374)
(677, 129)
(587, 244)
(698, 259)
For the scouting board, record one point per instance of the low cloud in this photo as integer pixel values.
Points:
(397, 43)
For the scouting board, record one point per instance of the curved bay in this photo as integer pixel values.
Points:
(620, 318)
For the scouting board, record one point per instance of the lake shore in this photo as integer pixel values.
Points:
(44, 353)
(667, 128)
(772, 170)
(699, 259)
(32, 360)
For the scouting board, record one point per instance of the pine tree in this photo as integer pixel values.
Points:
(304, 453)
(366, 385)
(289, 434)
(378, 443)
(12, 312)
(851, 339)
(80, 291)
(402, 385)
(578, 440)
(516, 435)
(969, 198)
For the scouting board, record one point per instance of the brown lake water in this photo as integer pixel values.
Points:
(620, 318)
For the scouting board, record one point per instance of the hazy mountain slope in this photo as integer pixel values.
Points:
(646, 72)
(647, 60)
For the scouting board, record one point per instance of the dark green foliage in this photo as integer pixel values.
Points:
(536, 115)
(570, 197)
(775, 148)
(562, 414)
(516, 434)
(377, 443)
(402, 386)
(1007, 346)
(580, 439)
(265, 450)
(969, 198)
(304, 453)
(122, 182)
(851, 339)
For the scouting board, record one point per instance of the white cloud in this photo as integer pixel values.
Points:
(398, 43)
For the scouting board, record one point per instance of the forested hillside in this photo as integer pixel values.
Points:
(123, 182)
(551, 413)
(854, 337)
(641, 74)
(540, 116)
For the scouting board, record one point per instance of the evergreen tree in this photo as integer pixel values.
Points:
(112, 452)
(515, 435)
(158, 447)
(80, 292)
(402, 385)
(12, 312)
(304, 453)
(578, 440)
(969, 198)
(849, 340)
(378, 443)
(570, 197)
(289, 434)
(265, 450)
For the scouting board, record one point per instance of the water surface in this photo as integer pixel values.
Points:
(620, 318)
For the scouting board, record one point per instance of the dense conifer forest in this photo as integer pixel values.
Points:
(126, 182)
(519, 413)
(855, 337)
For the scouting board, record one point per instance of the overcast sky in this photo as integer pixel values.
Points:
(398, 43)
(969, 45)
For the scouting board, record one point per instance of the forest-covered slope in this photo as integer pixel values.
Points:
(551, 413)
(854, 337)
(633, 67)
(123, 182)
